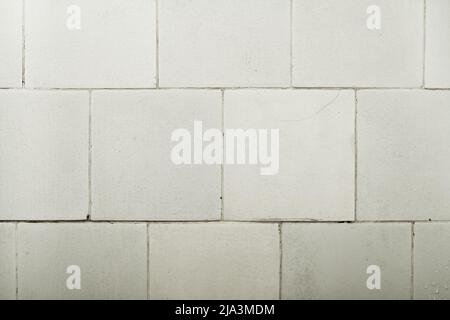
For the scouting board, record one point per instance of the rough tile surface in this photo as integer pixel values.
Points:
(44, 155)
(214, 261)
(111, 258)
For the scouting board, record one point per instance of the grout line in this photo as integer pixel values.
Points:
(356, 158)
(227, 221)
(90, 158)
(291, 37)
(412, 260)
(16, 242)
(280, 233)
(157, 42)
(424, 41)
(23, 43)
(223, 155)
(223, 88)
(148, 261)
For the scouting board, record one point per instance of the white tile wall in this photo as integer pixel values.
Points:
(316, 129)
(8, 261)
(214, 261)
(10, 43)
(332, 46)
(431, 261)
(224, 43)
(437, 63)
(330, 261)
(133, 177)
(111, 258)
(44, 155)
(403, 155)
(115, 46)
(86, 118)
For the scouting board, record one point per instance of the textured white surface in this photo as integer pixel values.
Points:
(316, 155)
(403, 155)
(437, 63)
(432, 261)
(224, 43)
(214, 261)
(114, 48)
(329, 261)
(133, 177)
(10, 43)
(112, 259)
(332, 47)
(85, 148)
(8, 261)
(44, 155)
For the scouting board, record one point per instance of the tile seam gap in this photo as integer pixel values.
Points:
(424, 41)
(148, 260)
(16, 253)
(224, 88)
(222, 209)
(291, 39)
(23, 43)
(157, 42)
(89, 214)
(280, 274)
(356, 157)
(412, 259)
(224, 221)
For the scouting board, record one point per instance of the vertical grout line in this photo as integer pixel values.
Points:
(148, 261)
(280, 277)
(356, 158)
(157, 41)
(23, 43)
(223, 154)
(424, 40)
(90, 158)
(291, 31)
(412, 259)
(16, 242)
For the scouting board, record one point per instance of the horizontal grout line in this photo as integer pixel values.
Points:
(225, 221)
(443, 88)
(223, 88)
